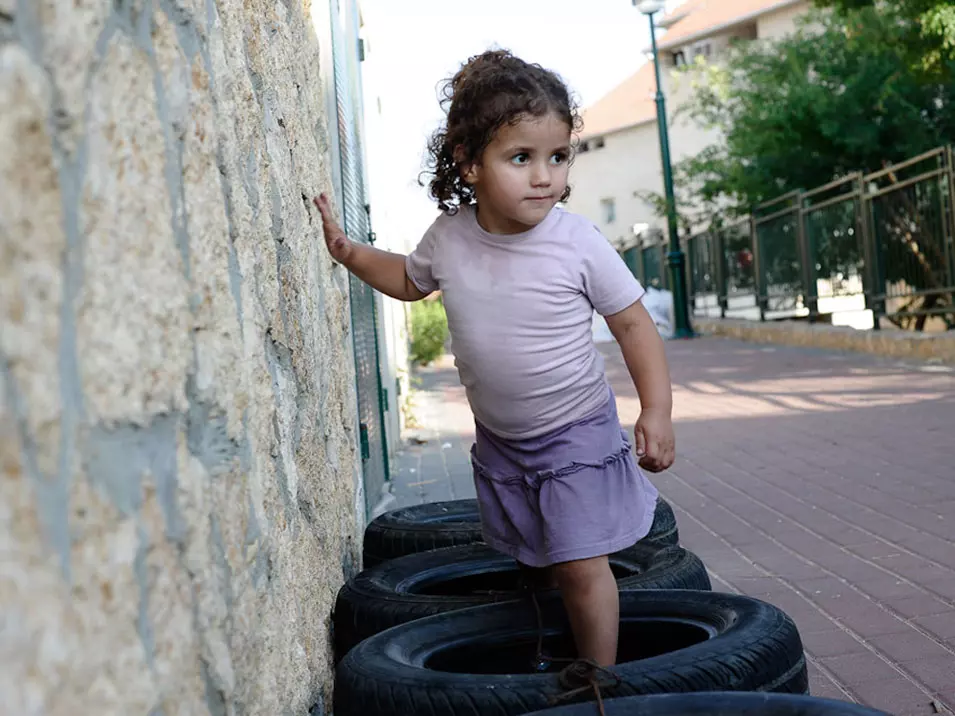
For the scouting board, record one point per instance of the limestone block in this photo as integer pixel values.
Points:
(134, 320)
(70, 647)
(32, 247)
(69, 31)
(216, 276)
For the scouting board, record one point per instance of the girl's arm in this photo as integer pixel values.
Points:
(382, 270)
(645, 357)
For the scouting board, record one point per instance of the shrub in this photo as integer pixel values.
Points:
(429, 331)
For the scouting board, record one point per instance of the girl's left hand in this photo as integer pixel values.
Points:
(656, 445)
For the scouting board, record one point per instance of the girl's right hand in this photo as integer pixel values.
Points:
(339, 246)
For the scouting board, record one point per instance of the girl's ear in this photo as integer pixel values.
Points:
(466, 169)
(469, 173)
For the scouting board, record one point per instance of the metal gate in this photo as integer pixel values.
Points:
(357, 221)
(882, 242)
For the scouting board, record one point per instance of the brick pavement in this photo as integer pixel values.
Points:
(822, 482)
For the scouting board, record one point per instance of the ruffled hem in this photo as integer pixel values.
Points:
(541, 475)
(540, 561)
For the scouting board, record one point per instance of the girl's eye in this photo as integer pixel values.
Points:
(559, 158)
(520, 158)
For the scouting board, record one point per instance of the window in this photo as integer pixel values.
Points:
(583, 147)
(679, 58)
(704, 49)
(609, 209)
(599, 143)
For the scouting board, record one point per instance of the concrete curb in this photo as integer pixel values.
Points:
(935, 347)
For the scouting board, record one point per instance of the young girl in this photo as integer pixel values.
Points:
(557, 484)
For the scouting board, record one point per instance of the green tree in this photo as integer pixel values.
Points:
(929, 26)
(429, 331)
(838, 96)
(817, 105)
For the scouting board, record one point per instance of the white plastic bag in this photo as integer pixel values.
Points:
(659, 305)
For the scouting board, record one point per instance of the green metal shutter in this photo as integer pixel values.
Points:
(357, 224)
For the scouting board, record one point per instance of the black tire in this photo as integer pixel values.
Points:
(419, 585)
(670, 642)
(663, 532)
(717, 704)
(421, 528)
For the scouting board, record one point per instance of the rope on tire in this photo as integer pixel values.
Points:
(579, 675)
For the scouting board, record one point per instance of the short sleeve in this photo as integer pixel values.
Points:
(419, 265)
(607, 281)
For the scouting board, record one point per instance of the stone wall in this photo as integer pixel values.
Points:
(177, 465)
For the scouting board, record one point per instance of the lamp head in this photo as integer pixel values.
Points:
(649, 7)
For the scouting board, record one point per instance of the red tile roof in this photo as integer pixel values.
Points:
(703, 17)
(631, 102)
(628, 104)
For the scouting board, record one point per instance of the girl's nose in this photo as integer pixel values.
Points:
(541, 176)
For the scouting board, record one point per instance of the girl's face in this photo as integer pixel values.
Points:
(521, 174)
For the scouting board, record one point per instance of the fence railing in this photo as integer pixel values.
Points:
(648, 262)
(882, 242)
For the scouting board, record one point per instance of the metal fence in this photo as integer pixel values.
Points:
(647, 261)
(882, 243)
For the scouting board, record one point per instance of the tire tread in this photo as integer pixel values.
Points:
(760, 650)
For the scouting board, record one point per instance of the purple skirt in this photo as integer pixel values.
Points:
(571, 494)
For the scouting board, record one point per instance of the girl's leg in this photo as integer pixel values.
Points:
(592, 600)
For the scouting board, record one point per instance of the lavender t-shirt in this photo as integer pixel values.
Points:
(520, 310)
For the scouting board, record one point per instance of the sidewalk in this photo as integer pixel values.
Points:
(821, 482)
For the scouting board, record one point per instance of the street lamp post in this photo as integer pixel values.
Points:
(676, 259)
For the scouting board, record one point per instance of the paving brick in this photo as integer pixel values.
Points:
(921, 605)
(831, 642)
(756, 586)
(793, 569)
(871, 620)
(855, 669)
(938, 674)
(896, 696)
(806, 614)
(912, 646)
(821, 685)
(943, 586)
(888, 589)
(935, 549)
(942, 625)
(821, 468)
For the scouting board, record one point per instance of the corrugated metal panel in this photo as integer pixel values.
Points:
(357, 225)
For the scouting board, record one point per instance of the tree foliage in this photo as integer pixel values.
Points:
(837, 96)
(429, 331)
(929, 27)
(841, 95)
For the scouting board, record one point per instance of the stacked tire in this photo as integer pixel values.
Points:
(439, 624)
(421, 528)
(430, 559)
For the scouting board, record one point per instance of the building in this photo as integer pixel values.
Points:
(619, 158)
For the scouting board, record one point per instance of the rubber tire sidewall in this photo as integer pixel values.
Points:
(717, 704)
(756, 648)
(420, 528)
(379, 598)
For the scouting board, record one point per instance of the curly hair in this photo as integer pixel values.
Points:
(489, 91)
